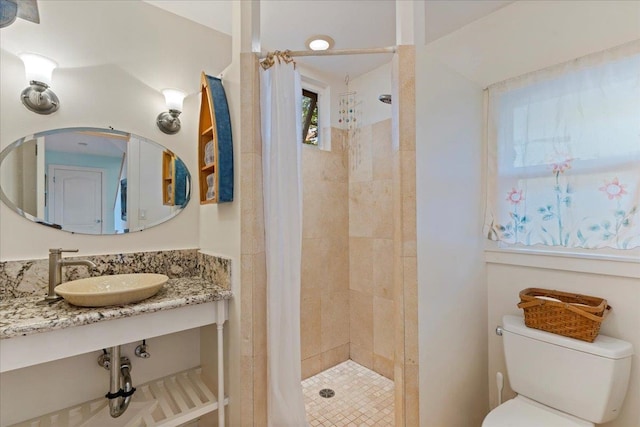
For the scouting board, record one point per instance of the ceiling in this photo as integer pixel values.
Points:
(287, 24)
(123, 40)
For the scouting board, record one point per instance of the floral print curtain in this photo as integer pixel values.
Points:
(564, 155)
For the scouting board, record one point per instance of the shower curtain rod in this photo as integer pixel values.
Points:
(364, 51)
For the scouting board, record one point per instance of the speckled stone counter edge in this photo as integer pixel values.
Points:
(26, 278)
(27, 315)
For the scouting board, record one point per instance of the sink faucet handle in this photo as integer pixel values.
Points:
(59, 251)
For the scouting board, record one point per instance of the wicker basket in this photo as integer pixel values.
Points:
(574, 315)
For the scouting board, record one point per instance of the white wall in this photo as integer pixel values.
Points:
(368, 88)
(451, 283)
(114, 58)
(520, 38)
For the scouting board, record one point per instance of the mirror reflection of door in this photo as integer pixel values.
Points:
(76, 198)
(86, 150)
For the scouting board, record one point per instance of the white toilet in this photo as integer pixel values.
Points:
(560, 381)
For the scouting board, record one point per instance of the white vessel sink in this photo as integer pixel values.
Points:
(118, 289)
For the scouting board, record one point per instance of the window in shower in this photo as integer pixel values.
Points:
(310, 131)
(316, 113)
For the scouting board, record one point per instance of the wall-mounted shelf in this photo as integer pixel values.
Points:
(174, 180)
(169, 401)
(215, 145)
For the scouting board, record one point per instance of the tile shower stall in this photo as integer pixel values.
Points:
(347, 260)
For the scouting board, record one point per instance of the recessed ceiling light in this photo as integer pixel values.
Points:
(320, 42)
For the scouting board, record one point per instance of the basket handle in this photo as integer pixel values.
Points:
(590, 316)
(570, 307)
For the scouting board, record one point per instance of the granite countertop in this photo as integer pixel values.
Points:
(26, 316)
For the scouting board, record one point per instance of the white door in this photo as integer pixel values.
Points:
(75, 198)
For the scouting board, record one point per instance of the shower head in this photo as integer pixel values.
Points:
(386, 98)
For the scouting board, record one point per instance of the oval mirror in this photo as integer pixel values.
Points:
(93, 181)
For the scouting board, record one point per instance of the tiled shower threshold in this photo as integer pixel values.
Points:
(362, 397)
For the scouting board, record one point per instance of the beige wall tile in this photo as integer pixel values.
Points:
(335, 319)
(409, 247)
(246, 372)
(398, 284)
(335, 356)
(382, 198)
(396, 187)
(398, 389)
(260, 391)
(361, 209)
(248, 107)
(311, 366)
(408, 172)
(259, 292)
(361, 264)
(325, 211)
(336, 271)
(361, 355)
(361, 320)
(410, 310)
(325, 263)
(398, 333)
(259, 205)
(246, 304)
(252, 212)
(338, 141)
(407, 134)
(411, 395)
(383, 366)
(408, 188)
(383, 268)
(247, 196)
(247, 186)
(310, 323)
(325, 256)
(314, 262)
(360, 155)
(383, 327)
(321, 166)
(404, 139)
(381, 134)
(336, 167)
(395, 106)
(406, 97)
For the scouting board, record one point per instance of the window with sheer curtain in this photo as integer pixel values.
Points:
(564, 155)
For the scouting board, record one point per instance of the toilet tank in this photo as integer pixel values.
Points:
(587, 380)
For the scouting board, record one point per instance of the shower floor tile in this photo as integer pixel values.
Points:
(362, 398)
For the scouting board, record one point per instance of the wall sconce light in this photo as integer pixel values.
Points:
(168, 121)
(38, 97)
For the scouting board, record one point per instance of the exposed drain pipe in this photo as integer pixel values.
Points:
(120, 385)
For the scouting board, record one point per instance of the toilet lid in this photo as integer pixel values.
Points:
(523, 412)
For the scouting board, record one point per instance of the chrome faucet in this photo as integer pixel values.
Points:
(55, 270)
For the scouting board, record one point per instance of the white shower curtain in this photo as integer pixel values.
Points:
(281, 105)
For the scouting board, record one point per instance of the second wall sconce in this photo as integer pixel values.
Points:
(168, 121)
(38, 97)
